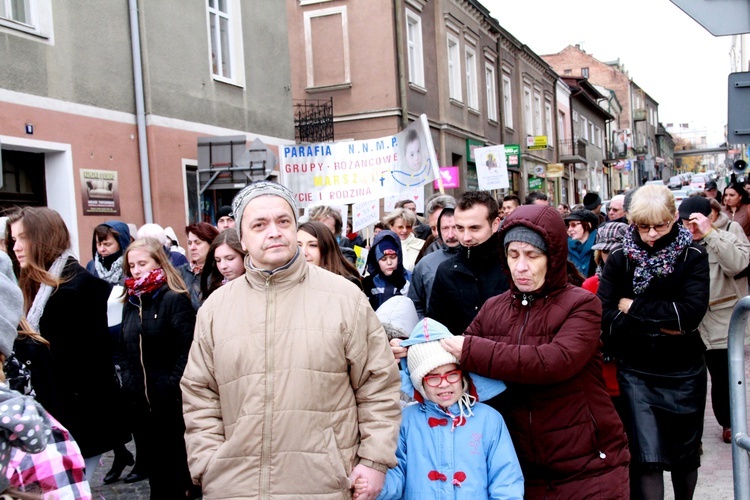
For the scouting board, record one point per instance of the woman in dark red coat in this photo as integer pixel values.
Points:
(542, 338)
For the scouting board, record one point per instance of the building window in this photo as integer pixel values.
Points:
(30, 16)
(561, 125)
(598, 136)
(537, 114)
(527, 113)
(16, 10)
(548, 121)
(591, 133)
(472, 96)
(414, 48)
(489, 82)
(454, 69)
(507, 102)
(584, 128)
(327, 61)
(226, 40)
(567, 72)
(585, 72)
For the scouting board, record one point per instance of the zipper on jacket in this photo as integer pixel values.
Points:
(140, 352)
(265, 451)
(520, 331)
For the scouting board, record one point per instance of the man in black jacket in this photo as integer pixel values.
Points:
(468, 278)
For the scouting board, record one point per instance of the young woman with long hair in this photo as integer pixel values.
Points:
(74, 377)
(157, 330)
(320, 249)
(225, 261)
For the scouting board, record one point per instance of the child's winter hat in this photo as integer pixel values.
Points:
(425, 352)
(398, 316)
(385, 247)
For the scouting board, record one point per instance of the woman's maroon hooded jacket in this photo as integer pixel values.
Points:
(568, 437)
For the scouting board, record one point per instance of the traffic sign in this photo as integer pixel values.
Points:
(719, 17)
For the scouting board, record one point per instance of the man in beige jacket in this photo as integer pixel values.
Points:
(290, 390)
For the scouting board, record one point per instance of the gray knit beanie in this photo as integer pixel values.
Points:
(260, 188)
(11, 305)
(525, 235)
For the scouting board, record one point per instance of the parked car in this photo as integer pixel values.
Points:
(680, 195)
(657, 182)
(698, 182)
(675, 182)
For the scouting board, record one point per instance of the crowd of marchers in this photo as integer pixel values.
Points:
(484, 349)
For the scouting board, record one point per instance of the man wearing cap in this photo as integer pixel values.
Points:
(712, 190)
(224, 218)
(281, 399)
(592, 201)
(728, 255)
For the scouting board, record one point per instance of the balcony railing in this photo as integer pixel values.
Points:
(313, 120)
(572, 148)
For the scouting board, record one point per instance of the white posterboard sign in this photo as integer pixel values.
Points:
(492, 170)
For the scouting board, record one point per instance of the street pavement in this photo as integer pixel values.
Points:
(715, 480)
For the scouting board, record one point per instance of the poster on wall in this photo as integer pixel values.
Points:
(352, 171)
(99, 192)
(492, 170)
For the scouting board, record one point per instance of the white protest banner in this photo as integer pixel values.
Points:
(364, 214)
(415, 194)
(353, 171)
(492, 171)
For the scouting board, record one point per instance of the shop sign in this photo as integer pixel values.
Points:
(535, 183)
(536, 142)
(555, 170)
(513, 155)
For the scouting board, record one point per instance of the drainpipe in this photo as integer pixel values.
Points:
(401, 67)
(140, 111)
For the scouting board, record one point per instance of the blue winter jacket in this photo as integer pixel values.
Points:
(471, 461)
(582, 254)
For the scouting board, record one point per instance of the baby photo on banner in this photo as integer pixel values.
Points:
(339, 173)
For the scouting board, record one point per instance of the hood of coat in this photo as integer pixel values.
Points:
(123, 239)
(545, 221)
(372, 261)
(722, 221)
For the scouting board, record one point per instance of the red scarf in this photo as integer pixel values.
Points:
(146, 284)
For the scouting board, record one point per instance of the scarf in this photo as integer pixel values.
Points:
(580, 253)
(659, 263)
(45, 291)
(111, 275)
(196, 268)
(146, 284)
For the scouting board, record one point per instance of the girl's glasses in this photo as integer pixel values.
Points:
(436, 380)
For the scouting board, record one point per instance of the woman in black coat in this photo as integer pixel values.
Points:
(157, 329)
(654, 292)
(74, 378)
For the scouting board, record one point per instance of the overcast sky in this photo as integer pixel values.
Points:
(673, 58)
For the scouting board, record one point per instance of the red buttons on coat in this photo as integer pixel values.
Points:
(434, 475)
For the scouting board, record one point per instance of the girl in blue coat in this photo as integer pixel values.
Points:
(450, 445)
